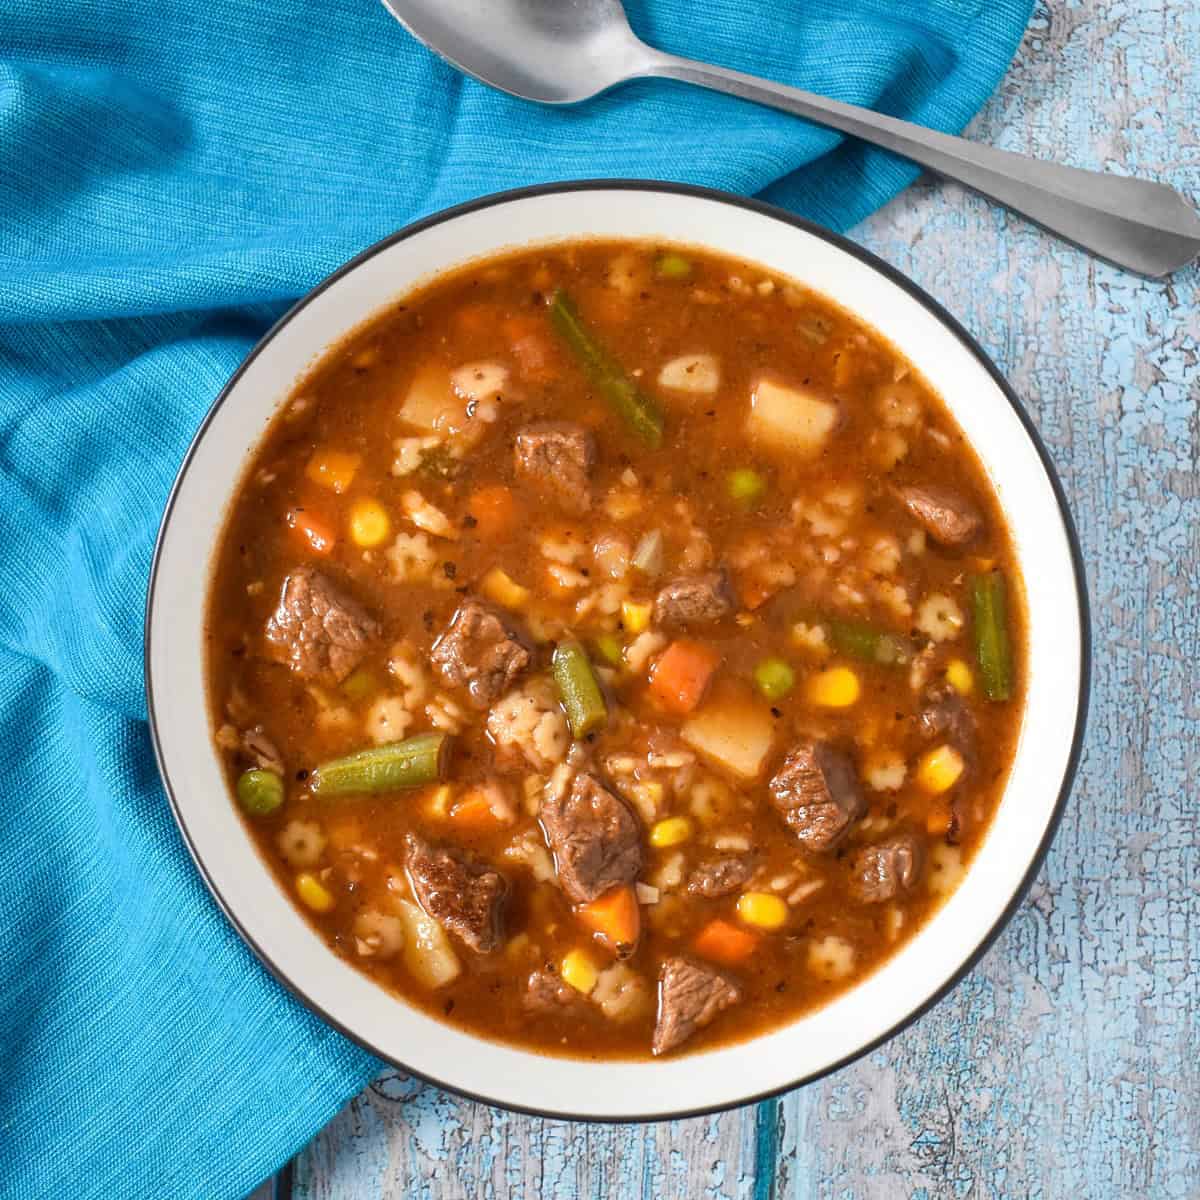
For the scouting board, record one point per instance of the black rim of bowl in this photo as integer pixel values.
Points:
(889, 273)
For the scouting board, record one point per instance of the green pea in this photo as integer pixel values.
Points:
(260, 792)
(746, 486)
(774, 678)
(672, 266)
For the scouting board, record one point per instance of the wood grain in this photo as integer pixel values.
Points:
(1068, 1062)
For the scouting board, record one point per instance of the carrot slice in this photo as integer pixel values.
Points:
(615, 918)
(476, 319)
(495, 512)
(938, 821)
(755, 592)
(531, 348)
(725, 943)
(521, 326)
(313, 529)
(475, 812)
(681, 675)
(333, 469)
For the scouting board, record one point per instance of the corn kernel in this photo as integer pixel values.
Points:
(499, 586)
(579, 971)
(939, 769)
(439, 801)
(635, 617)
(313, 892)
(762, 910)
(333, 469)
(959, 677)
(838, 687)
(369, 523)
(670, 832)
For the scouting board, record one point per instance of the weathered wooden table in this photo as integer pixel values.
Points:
(1068, 1063)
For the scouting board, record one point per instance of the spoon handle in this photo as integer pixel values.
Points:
(1147, 227)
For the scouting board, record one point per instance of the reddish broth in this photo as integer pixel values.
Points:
(802, 751)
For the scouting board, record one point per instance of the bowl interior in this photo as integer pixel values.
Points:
(736, 1073)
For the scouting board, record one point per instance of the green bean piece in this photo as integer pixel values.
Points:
(260, 791)
(608, 646)
(578, 689)
(868, 644)
(992, 647)
(388, 768)
(640, 413)
(670, 265)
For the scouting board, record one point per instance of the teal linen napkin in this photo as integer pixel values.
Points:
(171, 174)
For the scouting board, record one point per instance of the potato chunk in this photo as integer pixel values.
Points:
(431, 402)
(790, 418)
(427, 951)
(732, 730)
(691, 374)
(479, 380)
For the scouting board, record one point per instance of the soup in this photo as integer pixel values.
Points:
(615, 649)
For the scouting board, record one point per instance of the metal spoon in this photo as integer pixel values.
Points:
(565, 51)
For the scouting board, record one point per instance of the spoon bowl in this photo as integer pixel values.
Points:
(566, 51)
(551, 51)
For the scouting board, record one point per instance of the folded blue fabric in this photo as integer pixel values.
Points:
(170, 175)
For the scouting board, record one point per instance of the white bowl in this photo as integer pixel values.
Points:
(922, 970)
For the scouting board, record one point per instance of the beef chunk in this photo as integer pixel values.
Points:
(557, 457)
(948, 518)
(720, 876)
(464, 897)
(817, 791)
(945, 715)
(689, 997)
(480, 652)
(546, 993)
(694, 600)
(881, 872)
(595, 839)
(317, 630)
